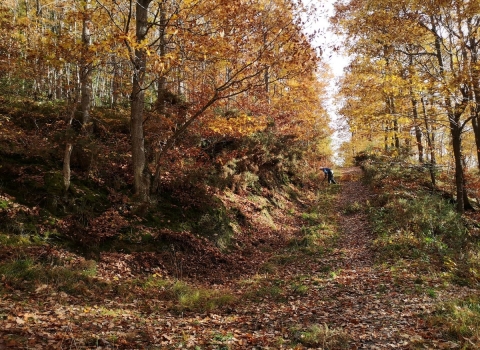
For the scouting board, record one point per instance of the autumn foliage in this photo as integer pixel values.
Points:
(412, 86)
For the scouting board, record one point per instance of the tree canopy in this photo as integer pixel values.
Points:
(213, 69)
(413, 80)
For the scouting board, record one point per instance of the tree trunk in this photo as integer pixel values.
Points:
(396, 129)
(140, 172)
(457, 153)
(66, 166)
(38, 8)
(418, 131)
(454, 113)
(475, 91)
(392, 111)
(68, 148)
(476, 132)
(85, 69)
(115, 86)
(162, 80)
(431, 144)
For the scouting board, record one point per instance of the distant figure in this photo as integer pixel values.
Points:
(328, 174)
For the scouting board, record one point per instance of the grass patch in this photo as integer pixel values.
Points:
(155, 282)
(300, 289)
(18, 270)
(314, 238)
(260, 288)
(322, 336)
(413, 224)
(19, 240)
(190, 298)
(353, 208)
(222, 338)
(28, 273)
(311, 217)
(419, 229)
(273, 292)
(460, 321)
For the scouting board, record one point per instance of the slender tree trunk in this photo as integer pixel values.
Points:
(162, 80)
(386, 129)
(392, 111)
(396, 137)
(140, 172)
(475, 91)
(86, 68)
(69, 148)
(431, 144)
(454, 114)
(476, 132)
(38, 8)
(115, 86)
(66, 165)
(418, 131)
(266, 74)
(457, 153)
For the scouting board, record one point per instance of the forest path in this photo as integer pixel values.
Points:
(334, 296)
(349, 302)
(377, 307)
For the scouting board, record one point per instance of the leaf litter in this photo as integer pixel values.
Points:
(340, 291)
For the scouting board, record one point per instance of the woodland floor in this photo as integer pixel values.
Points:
(355, 302)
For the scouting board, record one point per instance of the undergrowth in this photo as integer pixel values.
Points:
(418, 229)
(414, 223)
(31, 274)
(460, 319)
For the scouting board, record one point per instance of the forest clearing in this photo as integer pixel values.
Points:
(162, 172)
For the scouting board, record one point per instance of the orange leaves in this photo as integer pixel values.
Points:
(242, 125)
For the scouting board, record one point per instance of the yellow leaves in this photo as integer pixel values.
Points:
(23, 21)
(171, 31)
(20, 37)
(126, 37)
(241, 125)
(404, 120)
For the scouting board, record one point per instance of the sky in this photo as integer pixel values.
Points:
(326, 39)
(337, 61)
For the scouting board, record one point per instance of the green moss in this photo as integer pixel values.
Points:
(53, 182)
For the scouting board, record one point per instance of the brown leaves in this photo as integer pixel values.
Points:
(338, 296)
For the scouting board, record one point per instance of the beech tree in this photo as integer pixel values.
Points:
(428, 40)
(219, 68)
(225, 51)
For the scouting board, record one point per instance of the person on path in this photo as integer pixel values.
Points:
(328, 174)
